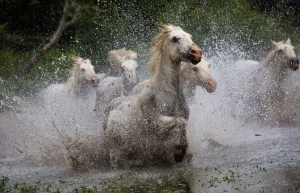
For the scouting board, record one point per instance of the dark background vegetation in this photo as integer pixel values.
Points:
(103, 25)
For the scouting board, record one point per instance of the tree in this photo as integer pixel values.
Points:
(71, 12)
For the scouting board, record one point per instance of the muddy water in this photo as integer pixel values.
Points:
(40, 141)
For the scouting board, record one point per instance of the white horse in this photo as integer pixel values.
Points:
(191, 76)
(112, 87)
(116, 58)
(82, 77)
(277, 66)
(75, 98)
(197, 75)
(149, 128)
(273, 99)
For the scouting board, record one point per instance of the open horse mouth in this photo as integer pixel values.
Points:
(294, 64)
(195, 54)
(95, 81)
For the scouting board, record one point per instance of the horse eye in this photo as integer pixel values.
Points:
(82, 70)
(175, 39)
(280, 51)
(195, 69)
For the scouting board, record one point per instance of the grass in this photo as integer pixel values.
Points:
(221, 23)
(123, 183)
(233, 179)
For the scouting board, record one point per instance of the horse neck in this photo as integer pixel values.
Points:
(277, 68)
(167, 74)
(127, 86)
(77, 85)
(187, 76)
(276, 74)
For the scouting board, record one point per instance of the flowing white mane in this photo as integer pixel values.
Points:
(116, 58)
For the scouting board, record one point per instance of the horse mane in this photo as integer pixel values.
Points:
(117, 57)
(157, 46)
(73, 82)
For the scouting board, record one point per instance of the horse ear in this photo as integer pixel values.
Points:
(77, 59)
(288, 41)
(88, 61)
(274, 44)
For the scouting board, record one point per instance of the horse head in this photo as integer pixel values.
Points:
(285, 53)
(117, 57)
(203, 76)
(130, 72)
(183, 46)
(86, 71)
(179, 43)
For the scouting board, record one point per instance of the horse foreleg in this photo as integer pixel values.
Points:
(175, 126)
(181, 147)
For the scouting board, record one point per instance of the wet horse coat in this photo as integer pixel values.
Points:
(75, 99)
(266, 96)
(112, 87)
(276, 68)
(116, 58)
(149, 128)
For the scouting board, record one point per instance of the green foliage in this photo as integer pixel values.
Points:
(230, 21)
(3, 185)
(30, 15)
(169, 182)
(106, 25)
(287, 11)
(113, 25)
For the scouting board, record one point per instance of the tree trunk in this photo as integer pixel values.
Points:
(64, 23)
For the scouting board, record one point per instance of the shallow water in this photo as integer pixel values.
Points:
(230, 153)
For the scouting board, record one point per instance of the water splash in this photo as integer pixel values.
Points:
(66, 134)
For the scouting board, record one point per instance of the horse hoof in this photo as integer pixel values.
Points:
(180, 152)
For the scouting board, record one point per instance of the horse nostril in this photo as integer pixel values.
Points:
(95, 81)
(193, 51)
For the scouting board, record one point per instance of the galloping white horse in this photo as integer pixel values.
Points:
(276, 70)
(149, 128)
(273, 99)
(112, 87)
(81, 80)
(82, 77)
(76, 98)
(191, 76)
(197, 75)
(116, 59)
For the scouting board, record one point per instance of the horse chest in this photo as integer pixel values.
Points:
(166, 103)
(169, 104)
